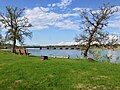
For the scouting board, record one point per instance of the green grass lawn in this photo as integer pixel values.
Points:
(30, 73)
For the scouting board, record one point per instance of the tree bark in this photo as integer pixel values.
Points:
(14, 45)
(89, 42)
(86, 51)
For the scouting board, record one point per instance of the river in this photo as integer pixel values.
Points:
(114, 56)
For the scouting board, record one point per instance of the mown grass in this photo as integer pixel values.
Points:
(30, 73)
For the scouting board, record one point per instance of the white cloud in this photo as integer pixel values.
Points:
(49, 5)
(111, 37)
(114, 24)
(1, 26)
(53, 5)
(67, 43)
(42, 18)
(67, 24)
(115, 19)
(77, 9)
(63, 4)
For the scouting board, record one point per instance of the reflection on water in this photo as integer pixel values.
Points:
(114, 56)
(64, 53)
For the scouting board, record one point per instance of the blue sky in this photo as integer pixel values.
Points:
(56, 21)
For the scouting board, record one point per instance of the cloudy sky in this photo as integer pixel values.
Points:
(58, 21)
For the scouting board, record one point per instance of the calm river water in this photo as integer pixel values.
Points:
(114, 55)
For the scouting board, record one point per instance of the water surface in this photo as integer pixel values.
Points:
(104, 54)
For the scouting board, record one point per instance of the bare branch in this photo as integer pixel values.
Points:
(93, 25)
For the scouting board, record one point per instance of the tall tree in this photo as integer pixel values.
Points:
(93, 23)
(0, 38)
(16, 24)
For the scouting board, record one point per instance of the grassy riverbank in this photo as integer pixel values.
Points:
(23, 73)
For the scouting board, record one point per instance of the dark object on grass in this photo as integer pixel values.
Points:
(68, 56)
(44, 57)
(91, 59)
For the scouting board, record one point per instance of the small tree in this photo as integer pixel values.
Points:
(93, 25)
(16, 24)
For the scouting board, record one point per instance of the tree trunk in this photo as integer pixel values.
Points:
(89, 43)
(14, 45)
(86, 51)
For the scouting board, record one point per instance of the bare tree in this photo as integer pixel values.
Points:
(93, 25)
(16, 24)
(0, 38)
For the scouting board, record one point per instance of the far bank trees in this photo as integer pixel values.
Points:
(16, 24)
(93, 23)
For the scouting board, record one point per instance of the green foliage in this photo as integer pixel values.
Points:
(30, 73)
